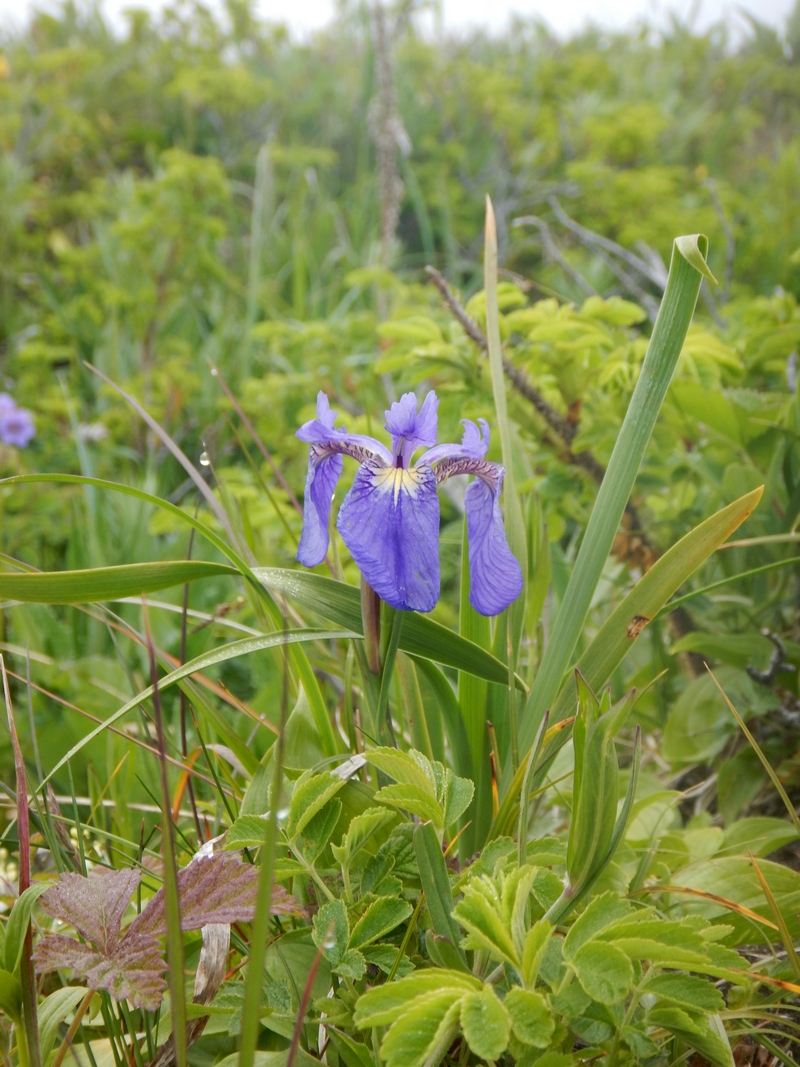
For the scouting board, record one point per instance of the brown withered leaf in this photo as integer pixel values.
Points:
(94, 905)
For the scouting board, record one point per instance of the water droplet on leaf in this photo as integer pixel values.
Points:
(205, 460)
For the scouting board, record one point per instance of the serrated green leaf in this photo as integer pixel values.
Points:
(311, 793)
(381, 916)
(531, 1018)
(331, 930)
(246, 832)
(486, 1023)
(424, 1032)
(381, 1005)
(485, 929)
(602, 912)
(361, 830)
(688, 990)
(316, 833)
(604, 971)
(535, 947)
(411, 798)
(404, 768)
(695, 1031)
(352, 965)
(458, 793)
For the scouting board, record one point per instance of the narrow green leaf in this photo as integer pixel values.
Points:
(420, 635)
(199, 663)
(10, 996)
(436, 885)
(106, 583)
(669, 333)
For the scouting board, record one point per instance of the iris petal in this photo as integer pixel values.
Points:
(495, 575)
(390, 523)
(323, 474)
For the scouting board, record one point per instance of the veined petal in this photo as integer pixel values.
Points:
(390, 523)
(322, 433)
(411, 429)
(323, 474)
(494, 574)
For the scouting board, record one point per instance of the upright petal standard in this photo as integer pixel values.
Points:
(390, 518)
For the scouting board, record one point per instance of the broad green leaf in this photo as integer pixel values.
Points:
(420, 636)
(688, 990)
(604, 971)
(759, 836)
(486, 1023)
(352, 1053)
(412, 798)
(382, 915)
(106, 583)
(10, 996)
(424, 1032)
(666, 342)
(382, 1004)
(531, 1018)
(311, 793)
(733, 878)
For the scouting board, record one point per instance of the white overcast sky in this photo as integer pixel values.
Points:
(563, 16)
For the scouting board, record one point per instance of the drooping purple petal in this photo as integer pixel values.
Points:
(390, 523)
(474, 444)
(321, 431)
(323, 474)
(494, 573)
(412, 429)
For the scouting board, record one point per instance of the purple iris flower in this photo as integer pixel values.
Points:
(16, 424)
(390, 518)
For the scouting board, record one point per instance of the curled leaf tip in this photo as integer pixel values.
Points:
(694, 247)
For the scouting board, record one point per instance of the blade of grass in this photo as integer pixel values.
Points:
(777, 915)
(757, 749)
(216, 508)
(774, 566)
(177, 990)
(260, 927)
(27, 977)
(106, 583)
(686, 272)
(514, 523)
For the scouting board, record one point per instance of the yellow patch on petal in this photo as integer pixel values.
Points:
(396, 480)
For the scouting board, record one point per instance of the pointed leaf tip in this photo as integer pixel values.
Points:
(694, 248)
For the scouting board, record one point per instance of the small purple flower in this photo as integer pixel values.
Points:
(16, 424)
(390, 518)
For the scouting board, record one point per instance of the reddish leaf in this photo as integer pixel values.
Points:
(131, 971)
(213, 889)
(94, 906)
